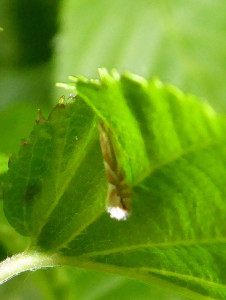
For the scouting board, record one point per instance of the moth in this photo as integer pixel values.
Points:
(118, 201)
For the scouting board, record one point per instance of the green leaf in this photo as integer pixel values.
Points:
(46, 165)
(171, 149)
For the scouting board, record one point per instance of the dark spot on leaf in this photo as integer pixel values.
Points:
(33, 188)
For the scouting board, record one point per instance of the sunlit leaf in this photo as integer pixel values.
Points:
(171, 148)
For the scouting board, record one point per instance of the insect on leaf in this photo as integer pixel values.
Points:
(118, 202)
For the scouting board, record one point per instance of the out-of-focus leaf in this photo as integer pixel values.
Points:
(22, 92)
(70, 283)
(181, 42)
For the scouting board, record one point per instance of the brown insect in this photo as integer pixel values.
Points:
(118, 203)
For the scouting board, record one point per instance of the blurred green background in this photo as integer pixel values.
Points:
(181, 42)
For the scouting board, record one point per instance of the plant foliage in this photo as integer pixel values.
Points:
(172, 149)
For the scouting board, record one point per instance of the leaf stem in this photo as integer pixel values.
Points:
(25, 261)
(31, 261)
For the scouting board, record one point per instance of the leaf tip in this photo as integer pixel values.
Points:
(73, 78)
(135, 78)
(67, 86)
(61, 102)
(40, 119)
(71, 98)
(103, 73)
(107, 77)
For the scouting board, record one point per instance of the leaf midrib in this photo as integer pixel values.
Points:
(84, 146)
(67, 181)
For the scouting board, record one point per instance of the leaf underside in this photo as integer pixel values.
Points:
(172, 150)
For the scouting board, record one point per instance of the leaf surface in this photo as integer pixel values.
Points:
(172, 150)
